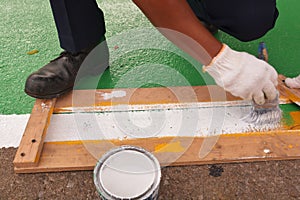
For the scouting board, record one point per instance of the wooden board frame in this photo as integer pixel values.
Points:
(35, 155)
(292, 94)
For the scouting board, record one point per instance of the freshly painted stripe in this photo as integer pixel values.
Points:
(206, 121)
(190, 121)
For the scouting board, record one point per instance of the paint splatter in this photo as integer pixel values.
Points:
(267, 151)
(43, 105)
(113, 94)
(34, 51)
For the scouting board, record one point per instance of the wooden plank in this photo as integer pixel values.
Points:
(292, 94)
(173, 151)
(31, 144)
(93, 100)
(137, 96)
(57, 157)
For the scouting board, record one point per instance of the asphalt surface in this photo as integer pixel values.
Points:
(278, 180)
(28, 25)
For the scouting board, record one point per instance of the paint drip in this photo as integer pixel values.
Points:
(127, 173)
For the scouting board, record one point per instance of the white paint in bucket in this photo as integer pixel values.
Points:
(127, 173)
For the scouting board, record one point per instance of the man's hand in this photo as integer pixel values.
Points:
(293, 82)
(243, 75)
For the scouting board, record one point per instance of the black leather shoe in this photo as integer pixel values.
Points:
(58, 77)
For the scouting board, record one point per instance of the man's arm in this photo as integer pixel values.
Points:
(176, 20)
(239, 73)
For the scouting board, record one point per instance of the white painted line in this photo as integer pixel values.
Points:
(192, 121)
(11, 129)
(207, 121)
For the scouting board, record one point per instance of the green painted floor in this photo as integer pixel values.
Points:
(28, 25)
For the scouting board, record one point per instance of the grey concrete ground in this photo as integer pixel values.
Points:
(278, 180)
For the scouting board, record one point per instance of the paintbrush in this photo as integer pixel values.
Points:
(268, 115)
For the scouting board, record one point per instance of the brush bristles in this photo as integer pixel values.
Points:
(265, 118)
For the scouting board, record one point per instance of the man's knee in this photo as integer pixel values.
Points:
(246, 20)
(250, 27)
(249, 32)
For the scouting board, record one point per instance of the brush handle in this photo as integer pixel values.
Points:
(268, 103)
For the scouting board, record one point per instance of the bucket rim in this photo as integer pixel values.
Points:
(97, 170)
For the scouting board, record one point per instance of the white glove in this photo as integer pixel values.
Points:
(293, 82)
(243, 75)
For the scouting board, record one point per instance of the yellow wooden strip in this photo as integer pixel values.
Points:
(31, 145)
(172, 151)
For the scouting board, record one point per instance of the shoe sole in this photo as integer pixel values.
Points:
(51, 96)
(48, 96)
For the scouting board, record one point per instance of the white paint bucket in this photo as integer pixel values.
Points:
(127, 172)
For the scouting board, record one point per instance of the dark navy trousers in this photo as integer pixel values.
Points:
(80, 23)
(246, 20)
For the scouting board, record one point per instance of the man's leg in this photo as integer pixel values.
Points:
(80, 25)
(246, 20)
